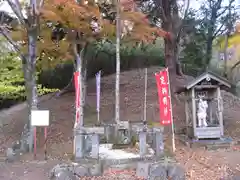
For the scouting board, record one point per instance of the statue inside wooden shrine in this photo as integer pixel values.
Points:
(202, 112)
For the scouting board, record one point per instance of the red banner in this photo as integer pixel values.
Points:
(77, 93)
(162, 79)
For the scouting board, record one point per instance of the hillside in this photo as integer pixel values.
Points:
(131, 102)
(131, 96)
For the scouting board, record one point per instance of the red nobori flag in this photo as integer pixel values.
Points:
(165, 107)
(77, 92)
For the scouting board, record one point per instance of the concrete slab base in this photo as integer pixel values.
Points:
(119, 156)
(209, 144)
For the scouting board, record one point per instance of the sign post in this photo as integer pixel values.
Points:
(165, 104)
(45, 143)
(40, 118)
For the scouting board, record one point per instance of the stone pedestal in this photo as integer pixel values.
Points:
(109, 131)
(159, 144)
(142, 143)
(124, 134)
(94, 153)
(86, 145)
(158, 141)
(79, 143)
(143, 170)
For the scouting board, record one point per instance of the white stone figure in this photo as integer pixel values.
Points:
(202, 112)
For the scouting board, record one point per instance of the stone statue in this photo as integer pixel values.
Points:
(202, 112)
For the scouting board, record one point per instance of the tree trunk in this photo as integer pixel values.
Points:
(79, 69)
(71, 87)
(210, 34)
(85, 73)
(172, 25)
(84, 85)
(30, 80)
(172, 57)
(170, 62)
(225, 56)
(179, 68)
(169, 56)
(176, 59)
(229, 28)
(79, 123)
(208, 51)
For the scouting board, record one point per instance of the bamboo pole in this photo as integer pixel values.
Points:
(145, 99)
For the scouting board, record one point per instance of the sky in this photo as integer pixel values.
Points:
(196, 3)
(5, 7)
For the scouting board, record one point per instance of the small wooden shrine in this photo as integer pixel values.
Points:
(204, 106)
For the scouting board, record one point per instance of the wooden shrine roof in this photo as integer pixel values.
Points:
(208, 74)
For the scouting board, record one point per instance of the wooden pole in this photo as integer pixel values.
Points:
(117, 88)
(98, 118)
(194, 118)
(173, 134)
(117, 83)
(145, 99)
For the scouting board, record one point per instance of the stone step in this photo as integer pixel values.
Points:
(218, 146)
(210, 146)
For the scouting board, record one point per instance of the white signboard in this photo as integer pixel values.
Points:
(40, 117)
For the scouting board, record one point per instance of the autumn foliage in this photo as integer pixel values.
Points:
(72, 21)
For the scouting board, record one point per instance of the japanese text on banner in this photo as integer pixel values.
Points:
(164, 97)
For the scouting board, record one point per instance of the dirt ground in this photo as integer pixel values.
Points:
(199, 163)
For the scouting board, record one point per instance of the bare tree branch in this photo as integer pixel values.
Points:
(186, 10)
(16, 8)
(235, 65)
(223, 11)
(218, 31)
(160, 8)
(218, 4)
(162, 11)
(184, 17)
(15, 46)
(226, 8)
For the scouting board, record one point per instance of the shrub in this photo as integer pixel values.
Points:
(58, 77)
(12, 88)
(103, 60)
(10, 95)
